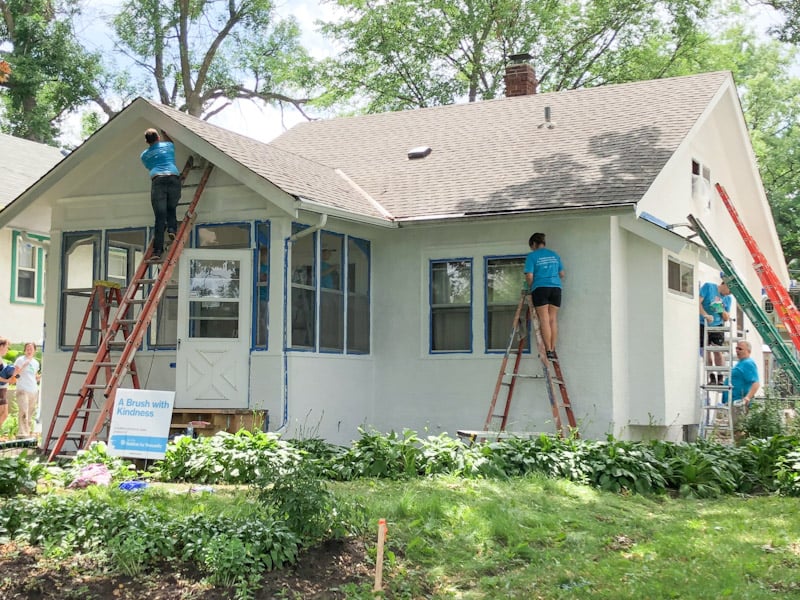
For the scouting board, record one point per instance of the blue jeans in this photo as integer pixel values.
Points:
(165, 193)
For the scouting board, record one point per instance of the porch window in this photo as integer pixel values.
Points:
(261, 277)
(80, 253)
(358, 259)
(330, 293)
(504, 282)
(223, 235)
(124, 251)
(680, 277)
(27, 267)
(302, 320)
(451, 305)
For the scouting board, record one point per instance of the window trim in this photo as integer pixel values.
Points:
(486, 259)
(63, 343)
(681, 264)
(38, 284)
(431, 262)
(316, 287)
(257, 288)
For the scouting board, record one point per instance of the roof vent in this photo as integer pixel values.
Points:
(419, 152)
(547, 122)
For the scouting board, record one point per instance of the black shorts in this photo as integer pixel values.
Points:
(715, 338)
(3, 399)
(542, 296)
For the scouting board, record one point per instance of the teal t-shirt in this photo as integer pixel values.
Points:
(545, 265)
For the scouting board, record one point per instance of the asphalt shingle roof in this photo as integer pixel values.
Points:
(607, 146)
(24, 162)
(294, 174)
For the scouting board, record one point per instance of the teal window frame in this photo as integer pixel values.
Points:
(38, 299)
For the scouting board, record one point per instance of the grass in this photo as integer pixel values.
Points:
(537, 538)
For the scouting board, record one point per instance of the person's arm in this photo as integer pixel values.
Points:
(703, 312)
(561, 274)
(165, 136)
(529, 279)
(751, 392)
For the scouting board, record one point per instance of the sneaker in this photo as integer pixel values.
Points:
(712, 379)
(551, 354)
(170, 237)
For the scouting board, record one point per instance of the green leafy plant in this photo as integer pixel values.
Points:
(390, 456)
(763, 419)
(19, 474)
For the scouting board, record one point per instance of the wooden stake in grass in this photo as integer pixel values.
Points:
(382, 531)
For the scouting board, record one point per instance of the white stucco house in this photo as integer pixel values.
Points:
(373, 263)
(23, 250)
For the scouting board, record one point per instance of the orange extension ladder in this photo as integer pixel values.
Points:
(91, 414)
(774, 289)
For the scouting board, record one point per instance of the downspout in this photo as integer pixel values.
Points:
(287, 244)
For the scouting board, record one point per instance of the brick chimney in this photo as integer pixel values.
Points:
(520, 77)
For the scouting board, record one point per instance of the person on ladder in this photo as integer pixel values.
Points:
(165, 186)
(715, 306)
(543, 274)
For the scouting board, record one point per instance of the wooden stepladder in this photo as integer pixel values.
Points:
(120, 338)
(497, 418)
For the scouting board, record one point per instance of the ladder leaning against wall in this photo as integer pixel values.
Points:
(90, 416)
(766, 328)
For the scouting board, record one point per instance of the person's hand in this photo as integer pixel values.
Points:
(708, 318)
(725, 316)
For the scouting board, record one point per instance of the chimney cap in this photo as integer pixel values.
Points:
(520, 58)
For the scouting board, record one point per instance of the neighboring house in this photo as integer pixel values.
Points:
(23, 247)
(363, 279)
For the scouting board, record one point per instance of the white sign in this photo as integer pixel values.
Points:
(140, 423)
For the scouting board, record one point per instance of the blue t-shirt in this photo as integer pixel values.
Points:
(743, 376)
(159, 159)
(714, 304)
(545, 266)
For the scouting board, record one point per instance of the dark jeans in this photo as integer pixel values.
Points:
(165, 193)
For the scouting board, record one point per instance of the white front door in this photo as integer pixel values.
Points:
(214, 305)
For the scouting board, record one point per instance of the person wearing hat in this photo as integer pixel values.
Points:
(165, 186)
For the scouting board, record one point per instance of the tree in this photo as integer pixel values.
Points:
(201, 51)
(789, 30)
(412, 53)
(46, 72)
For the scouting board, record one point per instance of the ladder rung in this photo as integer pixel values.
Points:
(146, 280)
(95, 386)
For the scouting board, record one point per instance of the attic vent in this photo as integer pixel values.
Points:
(419, 152)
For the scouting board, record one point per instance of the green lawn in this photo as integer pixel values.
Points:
(538, 538)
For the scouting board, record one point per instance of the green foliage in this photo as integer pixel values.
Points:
(241, 457)
(390, 456)
(416, 53)
(300, 499)
(120, 468)
(18, 474)
(787, 474)
(138, 531)
(618, 466)
(763, 419)
(240, 49)
(51, 73)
